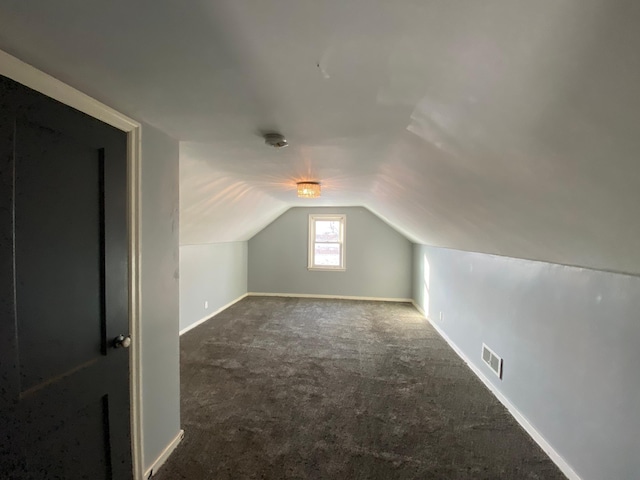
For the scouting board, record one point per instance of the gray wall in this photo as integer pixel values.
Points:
(377, 257)
(159, 295)
(570, 340)
(214, 272)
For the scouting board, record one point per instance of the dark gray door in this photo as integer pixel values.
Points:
(64, 386)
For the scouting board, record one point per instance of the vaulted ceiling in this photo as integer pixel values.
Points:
(500, 126)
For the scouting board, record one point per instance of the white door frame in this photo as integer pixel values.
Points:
(29, 76)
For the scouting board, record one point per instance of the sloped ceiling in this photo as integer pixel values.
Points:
(501, 126)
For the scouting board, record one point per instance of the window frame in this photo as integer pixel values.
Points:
(313, 217)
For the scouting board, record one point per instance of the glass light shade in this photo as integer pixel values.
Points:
(308, 189)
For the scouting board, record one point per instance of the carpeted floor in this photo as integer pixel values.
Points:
(276, 388)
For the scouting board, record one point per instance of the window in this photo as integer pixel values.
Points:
(326, 242)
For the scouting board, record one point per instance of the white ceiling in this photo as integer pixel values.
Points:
(501, 126)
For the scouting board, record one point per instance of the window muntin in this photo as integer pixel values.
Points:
(326, 242)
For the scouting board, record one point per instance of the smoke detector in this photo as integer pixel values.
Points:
(275, 140)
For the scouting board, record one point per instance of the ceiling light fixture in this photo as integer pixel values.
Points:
(308, 189)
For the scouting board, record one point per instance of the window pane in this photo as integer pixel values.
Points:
(327, 254)
(327, 230)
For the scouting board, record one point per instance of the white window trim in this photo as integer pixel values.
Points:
(312, 235)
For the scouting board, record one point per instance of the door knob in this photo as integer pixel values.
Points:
(121, 341)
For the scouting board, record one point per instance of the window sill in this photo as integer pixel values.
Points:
(326, 269)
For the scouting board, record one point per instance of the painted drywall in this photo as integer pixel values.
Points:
(491, 126)
(569, 339)
(377, 257)
(160, 293)
(215, 273)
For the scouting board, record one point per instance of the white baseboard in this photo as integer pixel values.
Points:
(337, 297)
(211, 315)
(520, 418)
(166, 453)
(419, 308)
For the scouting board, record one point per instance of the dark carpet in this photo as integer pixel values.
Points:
(333, 389)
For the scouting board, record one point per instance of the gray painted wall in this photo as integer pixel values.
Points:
(159, 295)
(215, 272)
(377, 257)
(570, 340)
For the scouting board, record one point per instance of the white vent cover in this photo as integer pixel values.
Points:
(492, 360)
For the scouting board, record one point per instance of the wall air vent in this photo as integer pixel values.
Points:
(492, 360)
